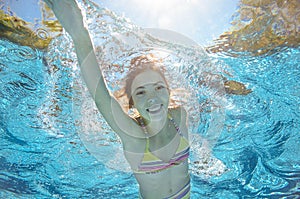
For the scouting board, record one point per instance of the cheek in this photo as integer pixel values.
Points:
(139, 106)
(137, 102)
(165, 96)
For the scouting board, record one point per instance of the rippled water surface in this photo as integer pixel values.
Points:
(45, 112)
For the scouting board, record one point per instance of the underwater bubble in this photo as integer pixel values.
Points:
(42, 33)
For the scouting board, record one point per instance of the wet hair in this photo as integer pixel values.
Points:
(138, 65)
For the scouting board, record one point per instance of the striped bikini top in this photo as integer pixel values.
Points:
(152, 164)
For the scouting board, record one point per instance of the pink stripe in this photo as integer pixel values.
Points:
(148, 167)
(173, 160)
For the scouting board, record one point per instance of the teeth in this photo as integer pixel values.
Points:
(154, 108)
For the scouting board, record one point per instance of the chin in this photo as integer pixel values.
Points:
(158, 117)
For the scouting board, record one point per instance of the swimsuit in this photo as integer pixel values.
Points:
(152, 164)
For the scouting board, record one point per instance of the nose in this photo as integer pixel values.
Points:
(152, 97)
(151, 100)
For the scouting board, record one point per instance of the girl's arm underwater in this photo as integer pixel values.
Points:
(69, 15)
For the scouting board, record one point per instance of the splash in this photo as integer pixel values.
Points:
(117, 41)
(261, 27)
(37, 36)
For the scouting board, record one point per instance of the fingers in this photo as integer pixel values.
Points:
(59, 3)
(49, 3)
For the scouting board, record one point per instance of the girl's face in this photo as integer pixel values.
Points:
(150, 95)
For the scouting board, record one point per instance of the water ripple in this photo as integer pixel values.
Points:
(3, 67)
(46, 156)
(263, 180)
(21, 54)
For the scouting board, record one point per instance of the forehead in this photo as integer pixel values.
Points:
(145, 78)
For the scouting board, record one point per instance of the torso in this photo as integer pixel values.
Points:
(168, 179)
(164, 183)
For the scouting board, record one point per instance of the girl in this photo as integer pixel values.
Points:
(155, 143)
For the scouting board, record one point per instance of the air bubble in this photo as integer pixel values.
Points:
(42, 33)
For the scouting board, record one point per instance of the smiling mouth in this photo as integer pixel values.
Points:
(154, 109)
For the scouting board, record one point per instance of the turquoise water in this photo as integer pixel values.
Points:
(43, 154)
(44, 158)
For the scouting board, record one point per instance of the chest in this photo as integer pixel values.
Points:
(158, 151)
(163, 149)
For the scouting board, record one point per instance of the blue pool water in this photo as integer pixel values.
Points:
(43, 154)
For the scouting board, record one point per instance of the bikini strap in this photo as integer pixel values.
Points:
(142, 124)
(175, 125)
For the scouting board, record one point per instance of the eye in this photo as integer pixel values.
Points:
(159, 87)
(140, 93)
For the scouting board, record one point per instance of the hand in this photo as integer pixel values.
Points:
(69, 15)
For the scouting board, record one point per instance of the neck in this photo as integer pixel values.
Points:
(154, 127)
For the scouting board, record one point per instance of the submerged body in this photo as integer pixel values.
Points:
(160, 162)
(172, 173)
(159, 137)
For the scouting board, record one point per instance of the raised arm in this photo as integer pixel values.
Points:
(69, 15)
